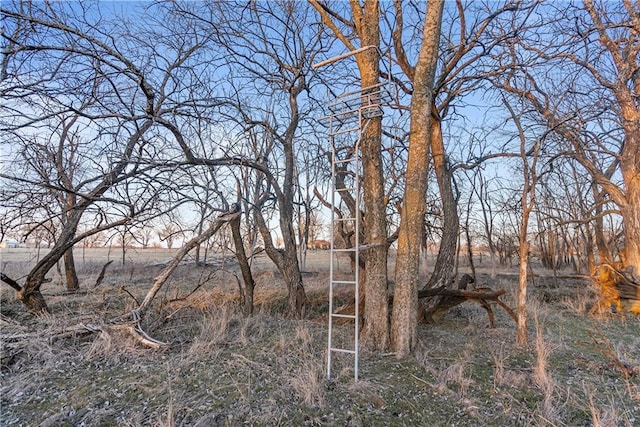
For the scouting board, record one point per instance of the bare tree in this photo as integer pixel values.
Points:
(276, 64)
(168, 233)
(529, 155)
(594, 107)
(82, 70)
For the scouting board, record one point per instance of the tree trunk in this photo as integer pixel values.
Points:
(604, 253)
(375, 334)
(631, 218)
(521, 306)
(285, 260)
(404, 335)
(245, 269)
(443, 273)
(366, 22)
(70, 271)
(30, 294)
(33, 300)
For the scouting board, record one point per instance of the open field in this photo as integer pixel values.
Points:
(223, 369)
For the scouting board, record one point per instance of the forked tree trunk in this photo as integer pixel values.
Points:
(245, 269)
(285, 260)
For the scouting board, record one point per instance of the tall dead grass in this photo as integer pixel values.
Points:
(308, 382)
(541, 376)
(583, 300)
(214, 329)
(607, 415)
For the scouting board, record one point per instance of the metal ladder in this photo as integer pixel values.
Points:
(349, 118)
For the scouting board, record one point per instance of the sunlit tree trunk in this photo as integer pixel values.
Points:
(376, 308)
(405, 299)
(366, 23)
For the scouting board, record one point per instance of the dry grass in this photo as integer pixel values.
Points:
(227, 369)
(456, 375)
(308, 383)
(541, 375)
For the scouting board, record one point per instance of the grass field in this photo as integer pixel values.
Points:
(224, 369)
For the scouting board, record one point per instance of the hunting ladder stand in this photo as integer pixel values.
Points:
(349, 116)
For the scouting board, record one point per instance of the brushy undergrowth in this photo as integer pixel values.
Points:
(226, 369)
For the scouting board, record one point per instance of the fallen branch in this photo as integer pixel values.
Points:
(602, 344)
(161, 279)
(102, 273)
(449, 298)
(480, 293)
(445, 299)
(133, 328)
(125, 290)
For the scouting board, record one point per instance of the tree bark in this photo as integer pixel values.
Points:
(70, 271)
(245, 268)
(404, 335)
(366, 23)
(443, 272)
(376, 308)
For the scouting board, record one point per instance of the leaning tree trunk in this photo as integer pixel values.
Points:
(164, 275)
(245, 269)
(443, 272)
(30, 294)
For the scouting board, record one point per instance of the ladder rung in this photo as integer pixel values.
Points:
(340, 132)
(343, 282)
(342, 350)
(369, 245)
(344, 219)
(344, 250)
(343, 316)
(350, 159)
(344, 189)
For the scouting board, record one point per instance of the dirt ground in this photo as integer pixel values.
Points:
(225, 369)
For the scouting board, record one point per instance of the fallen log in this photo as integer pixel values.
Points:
(443, 299)
(619, 288)
(450, 298)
